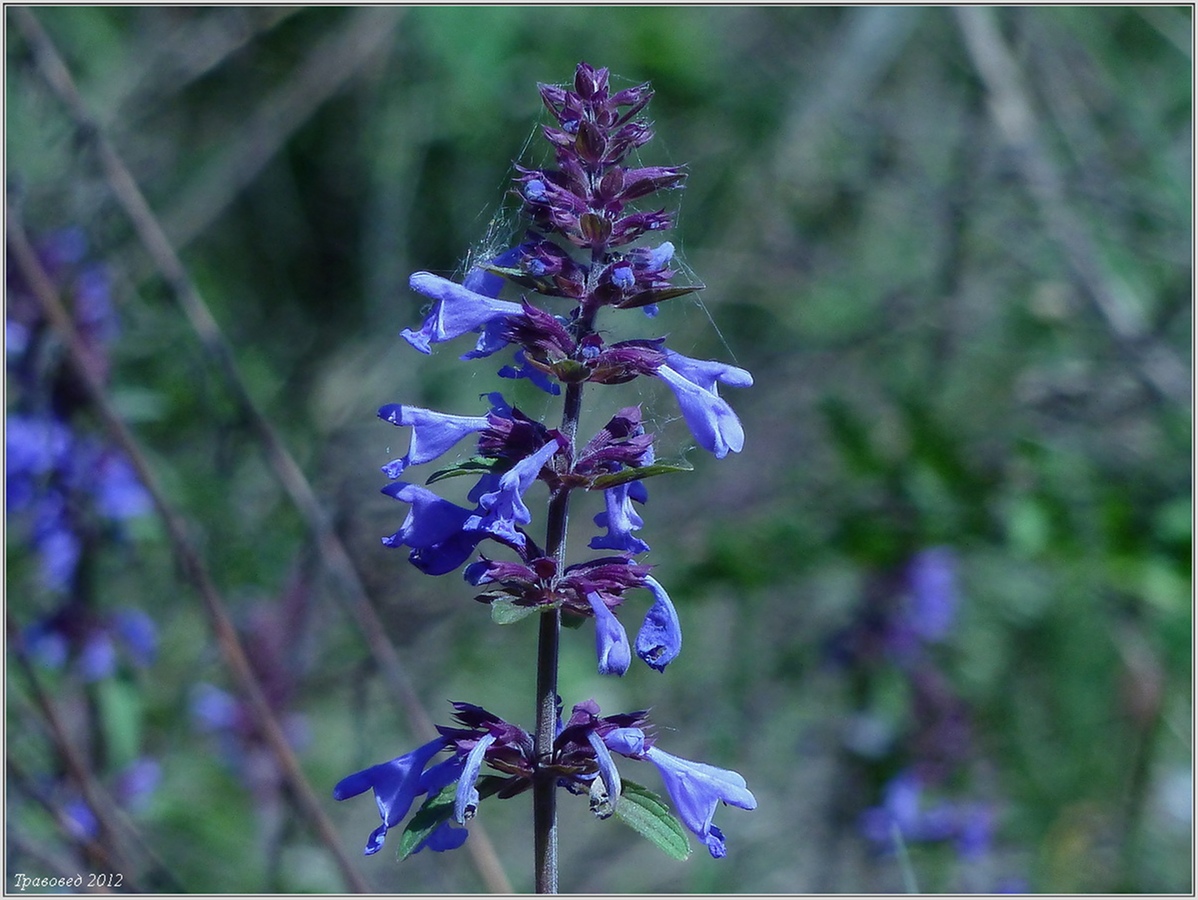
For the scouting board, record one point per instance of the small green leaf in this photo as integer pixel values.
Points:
(603, 482)
(472, 466)
(437, 810)
(660, 295)
(120, 711)
(505, 611)
(642, 810)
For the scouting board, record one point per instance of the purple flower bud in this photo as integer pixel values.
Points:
(456, 311)
(396, 785)
(433, 433)
(611, 641)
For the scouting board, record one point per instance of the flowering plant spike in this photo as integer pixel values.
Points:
(589, 246)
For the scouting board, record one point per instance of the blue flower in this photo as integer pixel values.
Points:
(709, 417)
(621, 520)
(456, 311)
(434, 529)
(611, 641)
(608, 771)
(396, 785)
(465, 801)
(433, 433)
(903, 808)
(524, 369)
(503, 507)
(695, 788)
(660, 638)
(932, 598)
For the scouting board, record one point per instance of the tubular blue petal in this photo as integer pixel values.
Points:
(706, 372)
(396, 784)
(607, 767)
(611, 641)
(626, 741)
(504, 507)
(696, 789)
(456, 311)
(620, 520)
(709, 417)
(444, 837)
(465, 801)
(433, 433)
(660, 638)
(435, 529)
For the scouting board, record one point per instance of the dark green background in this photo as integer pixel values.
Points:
(931, 369)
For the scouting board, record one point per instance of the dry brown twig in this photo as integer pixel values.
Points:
(22, 254)
(336, 558)
(1012, 110)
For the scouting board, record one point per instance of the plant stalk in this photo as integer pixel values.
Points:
(544, 797)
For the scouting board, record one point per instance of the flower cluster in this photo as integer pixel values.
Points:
(62, 482)
(582, 760)
(585, 249)
(907, 613)
(89, 643)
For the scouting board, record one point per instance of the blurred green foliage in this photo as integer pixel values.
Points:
(930, 365)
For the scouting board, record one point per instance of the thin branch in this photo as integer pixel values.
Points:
(105, 849)
(334, 555)
(27, 263)
(55, 734)
(326, 70)
(1155, 365)
(177, 56)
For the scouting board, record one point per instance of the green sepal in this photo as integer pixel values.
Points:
(570, 371)
(636, 473)
(437, 810)
(472, 466)
(505, 611)
(572, 620)
(642, 810)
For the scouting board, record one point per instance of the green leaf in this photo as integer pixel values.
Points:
(472, 466)
(642, 810)
(120, 711)
(505, 611)
(660, 295)
(603, 482)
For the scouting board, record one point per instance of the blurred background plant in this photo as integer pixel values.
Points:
(944, 628)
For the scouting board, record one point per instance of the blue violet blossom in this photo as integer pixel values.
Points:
(587, 247)
(582, 752)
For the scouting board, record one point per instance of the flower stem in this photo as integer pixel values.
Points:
(544, 797)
